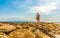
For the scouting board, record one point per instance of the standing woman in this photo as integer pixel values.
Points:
(38, 18)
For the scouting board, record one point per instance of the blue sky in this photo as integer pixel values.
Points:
(27, 9)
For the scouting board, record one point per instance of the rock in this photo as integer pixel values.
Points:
(18, 26)
(7, 28)
(2, 35)
(21, 33)
(25, 27)
(40, 34)
(32, 25)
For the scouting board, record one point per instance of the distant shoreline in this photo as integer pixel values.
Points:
(26, 22)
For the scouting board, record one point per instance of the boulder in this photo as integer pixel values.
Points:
(22, 33)
(3, 35)
(7, 28)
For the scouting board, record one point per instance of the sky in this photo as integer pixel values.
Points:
(25, 10)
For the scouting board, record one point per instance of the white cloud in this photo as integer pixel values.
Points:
(9, 18)
(45, 9)
(52, 18)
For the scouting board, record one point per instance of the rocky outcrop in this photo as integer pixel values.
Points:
(3, 35)
(22, 33)
(29, 30)
(7, 28)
